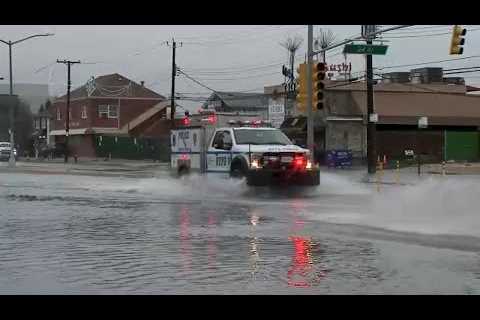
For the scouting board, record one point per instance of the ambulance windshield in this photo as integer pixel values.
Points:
(259, 136)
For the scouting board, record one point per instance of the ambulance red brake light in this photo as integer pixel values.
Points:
(212, 119)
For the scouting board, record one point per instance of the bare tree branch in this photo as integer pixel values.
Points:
(324, 39)
(292, 44)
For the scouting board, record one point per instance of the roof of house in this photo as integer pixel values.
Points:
(401, 108)
(397, 87)
(241, 100)
(113, 85)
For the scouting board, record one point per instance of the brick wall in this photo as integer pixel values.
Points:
(129, 109)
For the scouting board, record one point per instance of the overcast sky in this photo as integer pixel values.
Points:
(224, 58)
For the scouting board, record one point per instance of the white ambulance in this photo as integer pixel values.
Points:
(240, 146)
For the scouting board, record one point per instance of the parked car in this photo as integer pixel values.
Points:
(5, 150)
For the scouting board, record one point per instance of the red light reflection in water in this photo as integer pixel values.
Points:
(302, 263)
(302, 272)
(185, 243)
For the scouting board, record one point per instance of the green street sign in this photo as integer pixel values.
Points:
(365, 49)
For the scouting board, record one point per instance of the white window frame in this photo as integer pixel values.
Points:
(101, 112)
(84, 112)
(59, 114)
(107, 110)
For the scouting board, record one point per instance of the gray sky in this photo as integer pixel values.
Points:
(236, 58)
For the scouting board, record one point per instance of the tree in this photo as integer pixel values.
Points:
(48, 104)
(323, 40)
(292, 44)
(23, 126)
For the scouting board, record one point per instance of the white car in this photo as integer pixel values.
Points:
(5, 149)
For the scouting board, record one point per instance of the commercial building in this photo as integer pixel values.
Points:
(400, 101)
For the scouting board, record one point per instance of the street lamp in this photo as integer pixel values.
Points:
(11, 161)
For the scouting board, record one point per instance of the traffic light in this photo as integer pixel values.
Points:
(319, 69)
(318, 76)
(186, 119)
(302, 87)
(457, 39)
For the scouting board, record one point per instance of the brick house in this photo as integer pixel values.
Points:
(109, 105)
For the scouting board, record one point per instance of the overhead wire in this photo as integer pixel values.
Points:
(427, 62)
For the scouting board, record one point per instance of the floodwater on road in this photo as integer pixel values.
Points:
(210, 235)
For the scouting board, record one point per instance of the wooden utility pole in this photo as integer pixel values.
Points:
(310, 93)
(67, 117)
(371, 125)
(174, 74)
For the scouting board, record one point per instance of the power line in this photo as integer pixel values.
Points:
(466, 68)
(427, 62)
(415, 31)
(240, 78)
(197, 82)
(219, 37)
(234, 40)
(458, 72)
(231, 69)
(425, 35)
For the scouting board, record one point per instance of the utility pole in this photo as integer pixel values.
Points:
(11, 161)
(310, 93)
(9, 43)
(174, 74)
(67, 117)
(371, 125)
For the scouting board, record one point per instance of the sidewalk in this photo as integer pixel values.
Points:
(87, 167)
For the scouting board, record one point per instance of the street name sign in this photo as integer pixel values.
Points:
(365, 49)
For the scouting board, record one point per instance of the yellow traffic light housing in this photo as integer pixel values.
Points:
(318, 76)
(457, 40)
(302, 93)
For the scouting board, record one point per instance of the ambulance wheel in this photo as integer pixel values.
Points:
(238, 169)
(183, 170)
(258, 179)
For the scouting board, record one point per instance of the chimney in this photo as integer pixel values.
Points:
(142, 83)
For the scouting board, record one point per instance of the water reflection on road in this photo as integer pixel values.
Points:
(302, 272)
(102, 235)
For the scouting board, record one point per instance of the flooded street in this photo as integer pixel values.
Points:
(65, 234)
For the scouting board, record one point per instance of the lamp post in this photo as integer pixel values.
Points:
(9, 43)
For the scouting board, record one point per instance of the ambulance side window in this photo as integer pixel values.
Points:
(222, 140)
(218, 140)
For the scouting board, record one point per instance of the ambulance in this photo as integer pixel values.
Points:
(241, 146)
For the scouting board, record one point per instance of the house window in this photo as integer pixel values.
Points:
(102, 111)
(59, 114)
(70, 115)
(107, 111)
(112, 112)
(84, 112)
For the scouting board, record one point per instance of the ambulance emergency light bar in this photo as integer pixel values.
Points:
(246, 123)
